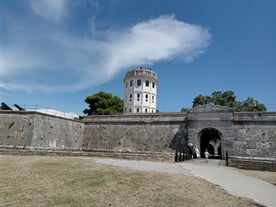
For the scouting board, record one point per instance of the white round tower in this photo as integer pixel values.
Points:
(140, 91)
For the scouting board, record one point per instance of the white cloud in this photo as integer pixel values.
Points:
(14, 61)
(155, 40)
(54, 60)
(49, 9)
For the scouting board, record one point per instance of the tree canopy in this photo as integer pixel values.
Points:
(103, 103)
(228, 98)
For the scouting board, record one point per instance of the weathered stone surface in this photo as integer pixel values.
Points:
(240, 134)
(130, 133)
(39, 130)
(255, 140)
(16, 128)
(216, 118)
(253, 164)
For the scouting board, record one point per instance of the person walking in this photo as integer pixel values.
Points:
(191, 151)
(206, 154)
(197, 153)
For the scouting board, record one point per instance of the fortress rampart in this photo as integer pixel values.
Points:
(245, 136)
(136, 132)
(34, 130)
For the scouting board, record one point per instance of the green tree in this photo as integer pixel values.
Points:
(185, 109)
(228, 99)
(201, 100)
(250, 104)
(238, 106)
(104, 104)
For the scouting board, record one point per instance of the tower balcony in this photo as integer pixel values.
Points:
(141, 73)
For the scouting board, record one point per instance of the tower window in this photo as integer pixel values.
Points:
(129, 110)
(147, 97)
(131, 83)
(147, 83)
(130, 97)
(138, 96)
(146, 110)
(137, 110)
(152, 98)
(126, 85)
(153, 85)
(139, 82)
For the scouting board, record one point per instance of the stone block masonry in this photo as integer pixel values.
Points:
(255, 135)
(16, 128)
(35, 130)
(136, 133)
(242, 135)
(253, 164)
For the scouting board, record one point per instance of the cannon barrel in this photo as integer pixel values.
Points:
(19, 107)
(5, 106)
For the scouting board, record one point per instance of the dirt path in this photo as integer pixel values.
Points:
(162, 167)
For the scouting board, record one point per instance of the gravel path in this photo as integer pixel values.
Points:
(147, 166)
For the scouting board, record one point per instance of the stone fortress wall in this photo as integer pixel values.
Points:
(243, 135)
(255, 134)
(155, 132)
(34, 130)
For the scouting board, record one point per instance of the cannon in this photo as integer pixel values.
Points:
(5, 106)
(19, 107)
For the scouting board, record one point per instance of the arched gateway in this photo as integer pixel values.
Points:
(210, 139)
(211, 127)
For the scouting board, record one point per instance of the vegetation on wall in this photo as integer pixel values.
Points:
(103, 103)
(228, 99)
(185, 109)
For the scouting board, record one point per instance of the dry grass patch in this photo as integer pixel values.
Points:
(267, 176)
(71, 181)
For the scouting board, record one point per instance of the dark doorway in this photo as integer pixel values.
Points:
(210, 139)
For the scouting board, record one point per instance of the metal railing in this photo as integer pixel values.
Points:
(42, 109)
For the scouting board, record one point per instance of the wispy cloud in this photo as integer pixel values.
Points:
(157, 39)
(53, 59)
(49, 9)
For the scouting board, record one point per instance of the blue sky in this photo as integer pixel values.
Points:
(54, 53)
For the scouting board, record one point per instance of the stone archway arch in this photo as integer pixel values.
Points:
(210, 139)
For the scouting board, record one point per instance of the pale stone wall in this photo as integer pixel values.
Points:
(36, 130)
(16, 128)
(242, 134)
(211, 117)
(255, 134)
(136, 133)
(55, 132)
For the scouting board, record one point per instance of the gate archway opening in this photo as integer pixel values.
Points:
(210, 139)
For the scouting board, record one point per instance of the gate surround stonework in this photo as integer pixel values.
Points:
(212, 117)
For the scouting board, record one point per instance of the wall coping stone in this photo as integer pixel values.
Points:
(136, 118)
(6, 112)
(253, 158)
